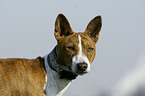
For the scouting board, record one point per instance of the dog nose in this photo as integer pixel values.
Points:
(82, 66)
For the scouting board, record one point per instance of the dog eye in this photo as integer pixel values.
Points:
(70, 48)
(90, 49)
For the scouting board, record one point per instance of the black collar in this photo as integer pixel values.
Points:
(53, 63)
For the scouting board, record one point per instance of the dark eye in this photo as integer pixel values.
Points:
(70, 48)
(90, 49)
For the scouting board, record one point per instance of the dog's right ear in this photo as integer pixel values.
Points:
(62, 27)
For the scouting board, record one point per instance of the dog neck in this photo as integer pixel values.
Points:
(53, 64)
(57, 78)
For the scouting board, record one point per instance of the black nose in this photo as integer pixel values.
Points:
(82, 66)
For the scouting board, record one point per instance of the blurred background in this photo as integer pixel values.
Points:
(26, 31)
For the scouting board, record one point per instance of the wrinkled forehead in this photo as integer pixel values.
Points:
(74, 38)
(86, 39)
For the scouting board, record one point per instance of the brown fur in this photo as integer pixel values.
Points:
(65, 54)
(26, 77)
(68, 40)
(86, 44)
(22, 77)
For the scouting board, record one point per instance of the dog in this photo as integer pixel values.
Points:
(51, 75)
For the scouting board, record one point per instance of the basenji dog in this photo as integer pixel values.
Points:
(52, 74)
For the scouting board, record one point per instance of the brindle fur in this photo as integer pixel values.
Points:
(26, 77)
(67, 38)
(22, 77)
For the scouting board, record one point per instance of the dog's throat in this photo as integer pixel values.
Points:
(53, 63)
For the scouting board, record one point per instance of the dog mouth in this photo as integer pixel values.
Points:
(76, 72)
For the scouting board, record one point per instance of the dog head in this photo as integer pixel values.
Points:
(76, 51)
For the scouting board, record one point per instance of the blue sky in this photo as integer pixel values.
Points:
(27, 32)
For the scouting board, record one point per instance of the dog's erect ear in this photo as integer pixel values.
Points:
(62, 27)
(94, 28)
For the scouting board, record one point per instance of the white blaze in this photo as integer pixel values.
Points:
(80, 57)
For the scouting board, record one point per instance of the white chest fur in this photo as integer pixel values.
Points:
(54, 86)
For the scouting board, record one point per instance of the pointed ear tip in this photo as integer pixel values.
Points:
(99, 17)
(60, 15)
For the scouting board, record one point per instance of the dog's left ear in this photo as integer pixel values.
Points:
(62, 27)
(94, 28)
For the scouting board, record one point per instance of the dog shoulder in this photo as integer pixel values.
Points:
(20, 75)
